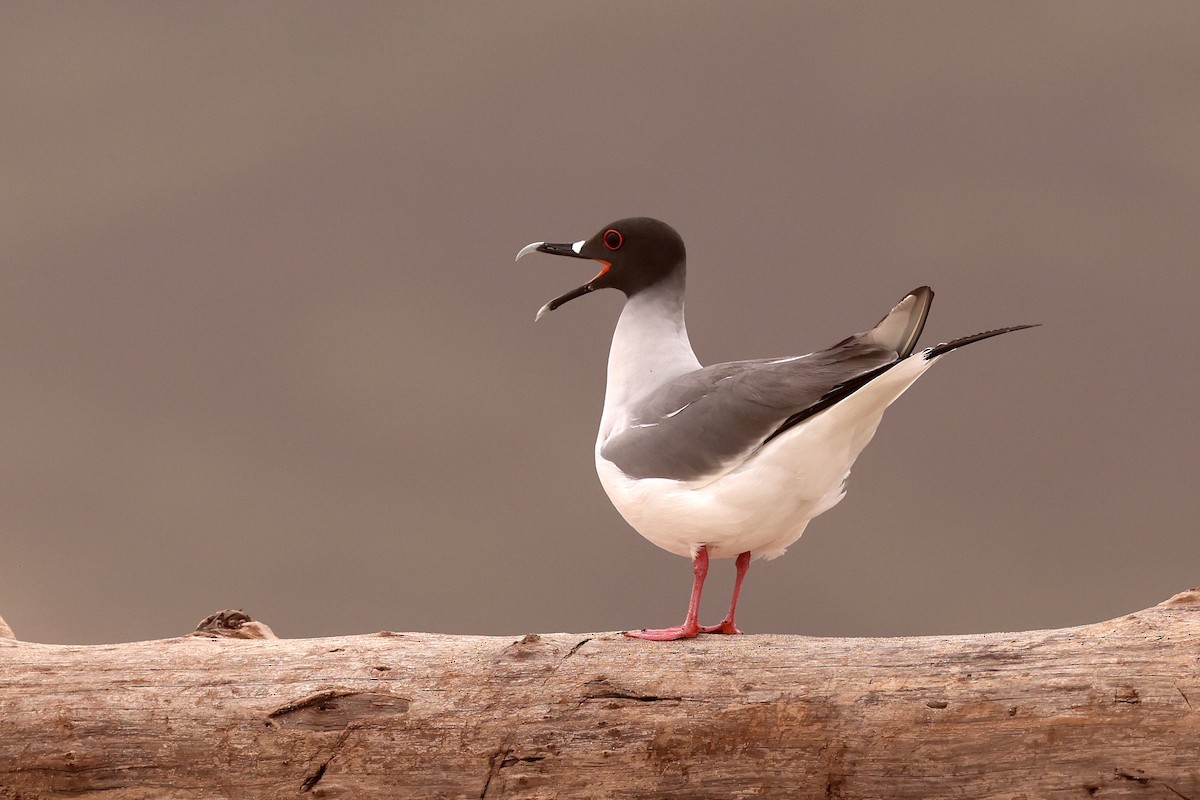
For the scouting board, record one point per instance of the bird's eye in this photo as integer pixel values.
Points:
(613, 239)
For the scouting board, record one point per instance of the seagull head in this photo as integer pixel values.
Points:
(635, 253)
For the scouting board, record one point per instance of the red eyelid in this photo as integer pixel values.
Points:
(620, 239)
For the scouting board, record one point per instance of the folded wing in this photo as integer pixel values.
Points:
(709, 421)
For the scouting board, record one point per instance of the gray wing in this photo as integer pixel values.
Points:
(709, 419)
(704, 422)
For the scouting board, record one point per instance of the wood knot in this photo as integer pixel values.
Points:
(527, 646)
(1190, 597)
(600, 688)
(1126, 694)
(336, 709)
(233, 624)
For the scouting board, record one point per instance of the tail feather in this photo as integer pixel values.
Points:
(954, 344)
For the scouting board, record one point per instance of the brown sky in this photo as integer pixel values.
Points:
(263, 345)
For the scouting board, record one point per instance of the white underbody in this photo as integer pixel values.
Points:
(763, 504)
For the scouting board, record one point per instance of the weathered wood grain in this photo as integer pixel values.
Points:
(1104, 710)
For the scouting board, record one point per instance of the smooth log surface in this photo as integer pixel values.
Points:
(1104, 710)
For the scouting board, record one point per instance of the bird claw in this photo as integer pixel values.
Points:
(665, 634)
(683, 632)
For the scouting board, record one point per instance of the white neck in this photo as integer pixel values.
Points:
(650, 347)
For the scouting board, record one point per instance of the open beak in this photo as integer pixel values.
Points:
(571, 250)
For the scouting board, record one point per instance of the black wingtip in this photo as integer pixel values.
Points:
(954, 344)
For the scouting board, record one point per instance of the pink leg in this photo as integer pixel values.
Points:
(726, 625)
(691, 624)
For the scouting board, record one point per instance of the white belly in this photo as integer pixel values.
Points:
(763, 504)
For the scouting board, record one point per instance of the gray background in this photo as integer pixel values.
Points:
(263, 344)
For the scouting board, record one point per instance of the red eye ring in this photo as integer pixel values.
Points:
(613, 239)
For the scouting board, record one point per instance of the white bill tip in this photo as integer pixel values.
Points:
(527, 249)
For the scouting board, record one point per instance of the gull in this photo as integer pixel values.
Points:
(731, 460)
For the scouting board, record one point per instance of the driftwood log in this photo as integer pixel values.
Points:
(1104, 710)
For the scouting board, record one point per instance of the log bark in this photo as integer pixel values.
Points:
(1104, 710)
